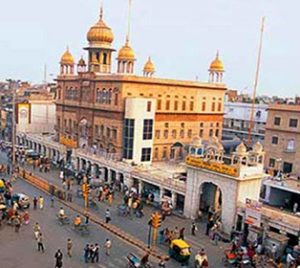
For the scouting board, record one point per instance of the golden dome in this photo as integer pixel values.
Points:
(67, 58)
(126, 52)
(81, 62)
(149, 66)
(100, 33)
(217, 64)
(241, 148)
(258, 148)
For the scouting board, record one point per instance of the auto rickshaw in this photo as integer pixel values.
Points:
(180, 251)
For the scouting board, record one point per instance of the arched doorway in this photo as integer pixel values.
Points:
(83, 133)
(176, 151)
(210, 199)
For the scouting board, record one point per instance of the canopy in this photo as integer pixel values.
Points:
(180, 243)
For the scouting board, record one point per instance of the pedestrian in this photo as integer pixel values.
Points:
(69, 196)
(107, 216)
(181, 233)
(86, 253)
(41, 202)
(69, 247)
(274, 251)
(162, 264)
(108, 246)
(52, 201)
(58, 259)
(35, 202)
(8, 169)
(36, 230)
(87, 218)
(95, 257)
(295, 208)
(232, 233)
(91, 252)
(193, 228)
(176, 232)
(40, 243)
(17, 223)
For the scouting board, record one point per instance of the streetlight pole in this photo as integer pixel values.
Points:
(13, 85)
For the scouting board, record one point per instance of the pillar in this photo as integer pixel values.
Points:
(128, 180)
(161, 193)
(141, 187)
(217, 197)
(174, 199)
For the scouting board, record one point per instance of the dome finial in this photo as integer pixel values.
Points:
(217, 55)
(101, 12)
(129, 22)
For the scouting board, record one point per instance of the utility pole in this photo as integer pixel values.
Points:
(251, 123)
(13, 85)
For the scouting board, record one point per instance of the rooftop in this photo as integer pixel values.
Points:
(145, 80)
(285, 107)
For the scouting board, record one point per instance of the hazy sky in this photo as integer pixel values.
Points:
(182, 37)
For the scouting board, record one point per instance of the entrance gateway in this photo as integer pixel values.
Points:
(220, 183)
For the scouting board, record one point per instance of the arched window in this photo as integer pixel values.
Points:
(116, 99)
(104, 58)
(104, 96)
(174, 134)
(102, 130)
(109, 96)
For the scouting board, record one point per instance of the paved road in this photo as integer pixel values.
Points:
(18, 250)
(139, 228)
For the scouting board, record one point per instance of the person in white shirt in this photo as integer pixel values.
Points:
(61, 213)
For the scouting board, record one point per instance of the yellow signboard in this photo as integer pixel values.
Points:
(68, 142)
(213, 166)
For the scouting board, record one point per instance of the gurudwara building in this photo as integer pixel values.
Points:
(139, 118)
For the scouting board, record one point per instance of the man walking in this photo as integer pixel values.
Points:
(69, 247)
(58, 259)
(193, 228)
(95, 256)
(107, 246)
(36, 230)
(107, 216)
(86, 253)
(41, 202)
(40, 243)
(35, 203)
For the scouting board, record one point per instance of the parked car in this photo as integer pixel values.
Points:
(22, 200)
(32, 155)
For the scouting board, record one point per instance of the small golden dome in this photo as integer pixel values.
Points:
(258, 148)
(67, 58)
(126, 52)
(81, 62)
(149, 66)
(217, 64)
(241, 148)
(100, 33)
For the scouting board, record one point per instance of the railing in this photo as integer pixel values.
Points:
(100, 153)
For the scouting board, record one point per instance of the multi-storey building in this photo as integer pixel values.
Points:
(237, 120)
(140, 118)
(282, 137)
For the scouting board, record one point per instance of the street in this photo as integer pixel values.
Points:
(57, 235)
